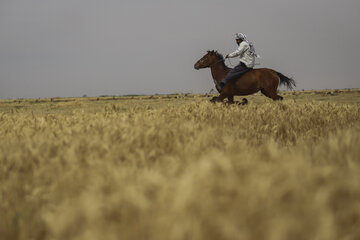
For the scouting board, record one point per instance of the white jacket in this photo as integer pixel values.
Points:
(245, 55)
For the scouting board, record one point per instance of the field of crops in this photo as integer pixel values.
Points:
(179, 167)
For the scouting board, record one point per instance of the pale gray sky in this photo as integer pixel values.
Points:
(65, 48)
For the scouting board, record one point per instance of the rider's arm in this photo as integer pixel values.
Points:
(241, 49)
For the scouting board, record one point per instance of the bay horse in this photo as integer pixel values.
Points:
(261, 79)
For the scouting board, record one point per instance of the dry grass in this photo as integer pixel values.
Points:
(178, 167)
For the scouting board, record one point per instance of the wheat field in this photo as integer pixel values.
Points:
(179, 167)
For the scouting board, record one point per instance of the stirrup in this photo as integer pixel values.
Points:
(221, 85)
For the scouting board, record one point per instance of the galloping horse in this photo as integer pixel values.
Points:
(262, 79)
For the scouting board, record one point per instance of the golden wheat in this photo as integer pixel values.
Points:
(179, 168)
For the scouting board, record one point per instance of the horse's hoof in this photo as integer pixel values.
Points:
(213, 100)
(244, 102)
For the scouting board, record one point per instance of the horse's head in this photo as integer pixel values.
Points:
(206, 61)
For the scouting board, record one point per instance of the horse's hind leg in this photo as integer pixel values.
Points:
(272, 94)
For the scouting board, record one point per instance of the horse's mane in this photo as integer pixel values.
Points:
(220, 56)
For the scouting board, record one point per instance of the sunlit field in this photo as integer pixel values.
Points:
(179, 167)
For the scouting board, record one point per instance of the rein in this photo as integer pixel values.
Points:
(221, 60)
(231, 63)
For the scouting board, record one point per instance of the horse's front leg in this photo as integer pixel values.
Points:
(220, 98)
(213, 100)
(223, 94)
(230, 99)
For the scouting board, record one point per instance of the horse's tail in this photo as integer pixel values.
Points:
(288, 82)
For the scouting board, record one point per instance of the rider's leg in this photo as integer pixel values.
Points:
(226, 80)
(234, 73)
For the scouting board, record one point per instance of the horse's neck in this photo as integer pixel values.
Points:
(219, 71)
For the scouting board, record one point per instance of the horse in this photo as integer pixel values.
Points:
(261, 79)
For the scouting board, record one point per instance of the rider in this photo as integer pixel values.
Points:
(247, 55)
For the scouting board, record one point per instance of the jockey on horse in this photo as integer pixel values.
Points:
(235, 82)
(246, 52)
